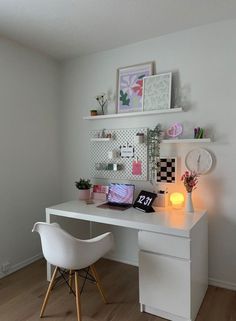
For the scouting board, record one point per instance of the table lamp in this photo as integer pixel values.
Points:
(177, 200)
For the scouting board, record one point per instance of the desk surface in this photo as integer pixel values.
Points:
(174, 222)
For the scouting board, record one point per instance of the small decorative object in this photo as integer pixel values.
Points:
(102, 101)
(137, 167)
(100, 192)
(177, 200)
(102, 134)
(100, 166)
(93, 112)
(199, 160)
(127, 151)
(139, 138)
(174, 130)
(83, 186)
(162, 199)
(98, 188)
(130, 87)
(157, 92)
(112, 154)
(167, 170)
(110, 166)
(115, 167)
(199, 132)
(144, 201)
(153, 142)
(190, 183)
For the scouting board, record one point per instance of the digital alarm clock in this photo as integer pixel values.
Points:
(144, 201)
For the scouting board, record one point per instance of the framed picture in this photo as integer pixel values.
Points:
(157, 92)
(130, 87)
(168, 169)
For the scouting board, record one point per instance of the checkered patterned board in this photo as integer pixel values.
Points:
(167, 173)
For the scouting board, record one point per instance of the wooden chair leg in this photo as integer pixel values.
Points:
(70, 280)
(48, 292)
(98, 282)
(77, 298)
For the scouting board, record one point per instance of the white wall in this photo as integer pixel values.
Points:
(203, 60)
(29, 148)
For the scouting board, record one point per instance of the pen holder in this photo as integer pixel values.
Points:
(139, 138)
(162, 199)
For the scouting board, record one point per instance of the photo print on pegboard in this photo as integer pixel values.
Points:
(168, 170)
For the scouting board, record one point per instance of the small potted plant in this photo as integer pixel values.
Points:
(83, 186)
(93, 112)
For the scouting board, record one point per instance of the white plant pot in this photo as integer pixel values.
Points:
(84, 194)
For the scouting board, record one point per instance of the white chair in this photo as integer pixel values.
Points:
(69, 253)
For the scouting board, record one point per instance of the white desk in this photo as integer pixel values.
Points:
(173, 255)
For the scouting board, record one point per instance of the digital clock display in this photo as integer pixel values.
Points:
(144, 201)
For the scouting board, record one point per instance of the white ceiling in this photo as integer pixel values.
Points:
(67, 28)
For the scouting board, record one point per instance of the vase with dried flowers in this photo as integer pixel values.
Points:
(102, 101)
(190, 180)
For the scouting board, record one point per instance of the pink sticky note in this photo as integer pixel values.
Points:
(137, 168)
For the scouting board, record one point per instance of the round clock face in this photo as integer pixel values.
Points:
(199, 160)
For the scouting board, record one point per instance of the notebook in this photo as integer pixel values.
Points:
(120, 196)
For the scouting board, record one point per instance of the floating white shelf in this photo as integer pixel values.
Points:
(166, 141)
(141, 113)
(186, 141)
(100, 139)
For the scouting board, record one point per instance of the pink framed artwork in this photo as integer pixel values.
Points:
(130, 87)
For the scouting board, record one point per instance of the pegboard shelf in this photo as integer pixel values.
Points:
(108, 167)
(106, 160)
(109, 170)
(97, 139)
(186, 141)
(141, 113)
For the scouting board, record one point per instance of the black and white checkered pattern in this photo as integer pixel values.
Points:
(167, 173)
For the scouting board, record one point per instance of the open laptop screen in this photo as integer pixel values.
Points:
(120, 193)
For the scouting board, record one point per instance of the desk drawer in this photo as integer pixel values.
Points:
(164, 284)
(164, 244)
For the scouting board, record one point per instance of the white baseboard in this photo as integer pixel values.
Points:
(20, 265)
(222, 284)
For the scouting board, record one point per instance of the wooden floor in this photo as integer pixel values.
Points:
(21, 296)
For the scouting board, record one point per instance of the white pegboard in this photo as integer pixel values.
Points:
(120, 137)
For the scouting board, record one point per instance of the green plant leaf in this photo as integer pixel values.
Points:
(124, 98)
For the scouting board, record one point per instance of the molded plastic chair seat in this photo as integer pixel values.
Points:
(67, 252)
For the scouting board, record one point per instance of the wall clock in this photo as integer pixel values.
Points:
(199, 160)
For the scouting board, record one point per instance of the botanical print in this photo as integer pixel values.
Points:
(157, 92)
(130, 87)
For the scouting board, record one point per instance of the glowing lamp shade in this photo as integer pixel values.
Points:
(177, 200)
